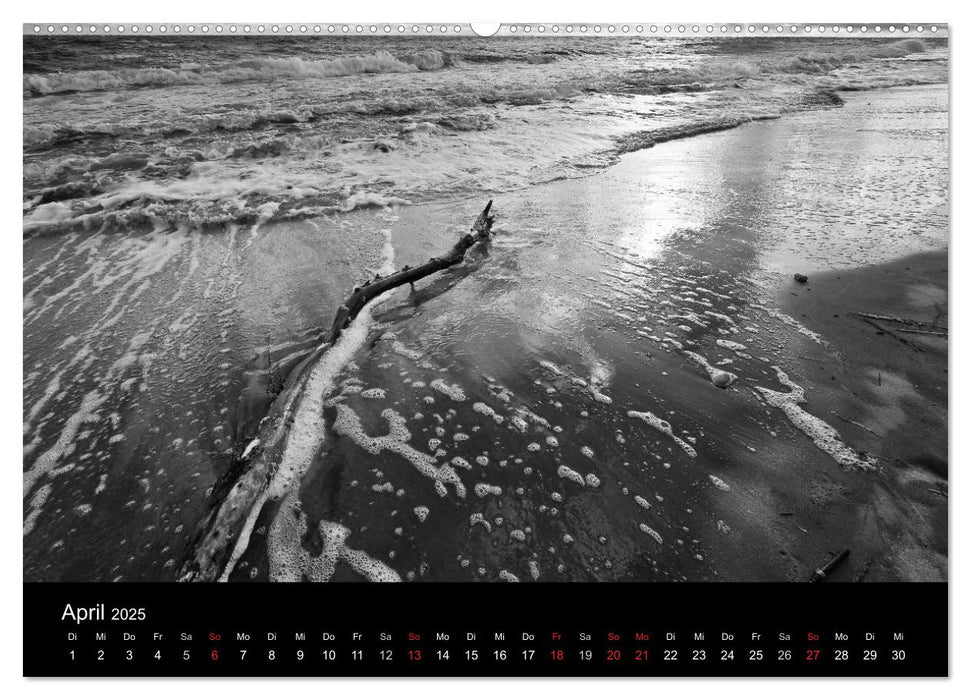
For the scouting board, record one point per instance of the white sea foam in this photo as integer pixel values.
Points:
(308, 429)
(252, 69)
(291, 562)
(719, 378)
(793, 323)
(483, 490)
(452, 391)
(348, 423)
(663, 426)
(564, 472)
(823, 435)
(479, 519)
(650, 531)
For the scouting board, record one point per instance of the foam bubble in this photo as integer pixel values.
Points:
(564, 472)
(730, 344)
(483, 490)
(479, 519)
(549, 366)
(400, 348)
(487, 410)
(649, 531)
(453, 391)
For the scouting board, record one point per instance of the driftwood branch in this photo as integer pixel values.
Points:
(853, 422)
(920, 331)
(211, 550)
(374, 288)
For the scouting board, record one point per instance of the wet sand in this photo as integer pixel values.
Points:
(888, 388)
(564, 375)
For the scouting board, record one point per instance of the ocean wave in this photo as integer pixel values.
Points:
(641, 140)
(683, 79)
(241, 71)
(195, 205)
(715, 72)
(313, 150)
(825, 62)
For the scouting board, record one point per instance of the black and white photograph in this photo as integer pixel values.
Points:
(569, 303)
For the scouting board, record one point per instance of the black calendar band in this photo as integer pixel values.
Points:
(433, 629)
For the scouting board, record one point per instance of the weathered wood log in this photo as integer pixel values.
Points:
(374, 288)
(210, 556)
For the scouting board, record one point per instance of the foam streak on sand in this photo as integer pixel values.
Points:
(306, 435)
(348, 424)
(308, 430)
(793, 323)
(664, 427)
(823, 435)
(292, 563)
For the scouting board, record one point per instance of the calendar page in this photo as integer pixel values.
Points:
(613, 349)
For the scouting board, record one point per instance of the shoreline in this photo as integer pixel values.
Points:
(577, 271)
(768, 494)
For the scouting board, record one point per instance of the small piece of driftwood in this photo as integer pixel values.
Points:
(827, 569)
(921, 331)
(898, 319)
(882, 329)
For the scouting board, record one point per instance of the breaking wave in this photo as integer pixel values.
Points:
(241, 71)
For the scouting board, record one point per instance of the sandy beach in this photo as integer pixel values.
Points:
(584, 338)
(626, 383)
